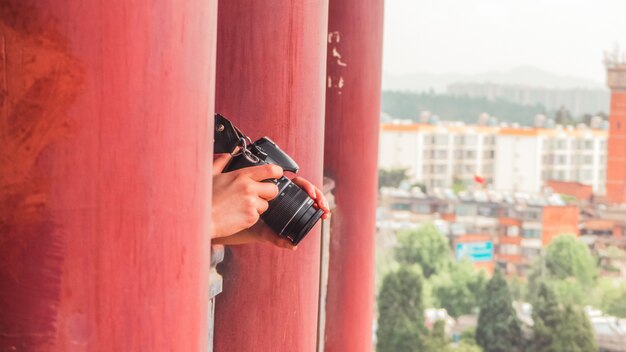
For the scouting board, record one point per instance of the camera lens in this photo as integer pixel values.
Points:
(291, 214)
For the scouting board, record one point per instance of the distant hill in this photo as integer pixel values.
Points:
(523, 75)
(407, 105)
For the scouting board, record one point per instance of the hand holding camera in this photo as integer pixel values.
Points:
(239, 198)
(252, 186)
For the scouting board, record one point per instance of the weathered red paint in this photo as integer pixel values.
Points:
(616, 151)
(350, 158)
(270, 81)
(105, 127)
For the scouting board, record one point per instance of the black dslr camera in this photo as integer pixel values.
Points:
(291, 214)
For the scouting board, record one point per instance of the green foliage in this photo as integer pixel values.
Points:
(469, 336)
(610, 296)
(559, 329)
(498, 327)
(617, 305)
(459, 186)
(569, 269)
(457, 108)
(568, 199)
(459, 289)
(547, 317)
(401, 314)
(574, 333)
(563, 117)
(437, 339)
(467, 343)
(518, 288)
(569, 291)
(391, 178)
(426, 247)
(566, 257)
(465, 347)
(613, 253)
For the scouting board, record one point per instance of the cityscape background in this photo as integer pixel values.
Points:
(502, 177)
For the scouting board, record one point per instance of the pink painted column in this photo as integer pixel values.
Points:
(106, 135)
(350, 158)
(271, 65)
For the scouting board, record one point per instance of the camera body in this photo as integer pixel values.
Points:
(291, 214)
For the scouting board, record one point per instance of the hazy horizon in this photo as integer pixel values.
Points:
(566, 38)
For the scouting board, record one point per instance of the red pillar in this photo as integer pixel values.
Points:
(350, 158)
(105, 128)
(616, 151)
(270, 81)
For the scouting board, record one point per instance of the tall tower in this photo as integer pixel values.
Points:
(616, 154)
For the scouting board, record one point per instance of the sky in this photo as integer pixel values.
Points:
(476, 36)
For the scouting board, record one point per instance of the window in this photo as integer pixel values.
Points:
(466, 210)
(512, 231)
(486, 211)
(510, 249)
(400, 206)
(440, 139)
(531, 233)
(532, 214)
(531, 253)
(422, 209)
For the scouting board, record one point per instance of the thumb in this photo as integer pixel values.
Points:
(219, 163)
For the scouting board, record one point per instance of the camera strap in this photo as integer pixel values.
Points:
(226, 137)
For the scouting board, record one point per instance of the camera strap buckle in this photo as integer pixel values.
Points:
(226, 137)
(243, 149)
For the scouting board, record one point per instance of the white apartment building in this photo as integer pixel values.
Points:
(508, 159)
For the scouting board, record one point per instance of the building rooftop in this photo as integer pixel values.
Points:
(479, 196)
(504, 129)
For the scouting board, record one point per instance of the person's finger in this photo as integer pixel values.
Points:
(305, 185)
(261, 206)
(266, 190)
(321, 201)
(263, 172)
(219, 163)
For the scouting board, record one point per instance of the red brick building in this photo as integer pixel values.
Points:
(616, 155)
(580, 191)
(558, 221)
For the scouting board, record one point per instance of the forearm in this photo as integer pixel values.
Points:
(259, 233)
(241, 237)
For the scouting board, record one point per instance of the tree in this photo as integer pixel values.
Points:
(610, 297)
(563, 117)
(437, 339)
(574, 333)
(569, 291)
(401, 314)
(457, 108)
(391, 178)
(547, 316)
(566, 257)
(460, 289)
(426, 247)
(617, 306)
(465, 347)
(498, 327)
